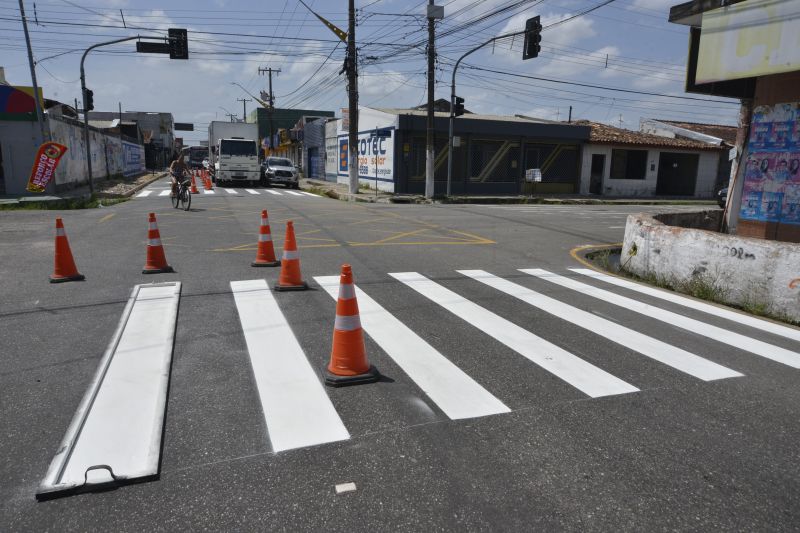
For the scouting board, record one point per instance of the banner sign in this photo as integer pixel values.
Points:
(44, 167)
(771, 190)
(372, 150)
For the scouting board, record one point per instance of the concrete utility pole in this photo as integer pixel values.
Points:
(244, 107)
(430, 151)
(39, 113)
(269, 71)
(352, 95)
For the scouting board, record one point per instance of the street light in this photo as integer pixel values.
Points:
(228, 113)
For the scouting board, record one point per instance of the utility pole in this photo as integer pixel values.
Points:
(352, 95)
(244, 107)
(430, 151)
(39, 114)
(269, 71)
(120, 124)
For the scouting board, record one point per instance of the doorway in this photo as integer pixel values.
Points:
(677, 174)
(596, 175)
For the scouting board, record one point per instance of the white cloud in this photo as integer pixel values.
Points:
(654, 4)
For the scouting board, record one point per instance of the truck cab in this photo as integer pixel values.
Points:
(237, 161)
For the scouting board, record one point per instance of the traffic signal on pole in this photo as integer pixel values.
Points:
(178, 43)
(533, 36)
(88, 100)
(458, 108)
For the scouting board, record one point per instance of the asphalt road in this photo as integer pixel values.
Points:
(675, 452)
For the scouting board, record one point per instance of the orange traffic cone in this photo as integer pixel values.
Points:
(348, 364)
(265, 257)
(194, 190)
(65, 269)
(290, 278)
(156, 260)
(207, 184)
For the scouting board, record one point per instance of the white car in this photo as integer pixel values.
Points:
(280, 170)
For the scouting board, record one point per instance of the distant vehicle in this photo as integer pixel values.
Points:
(233, 153)
(280, 170)
(196, 156)
(722, 197)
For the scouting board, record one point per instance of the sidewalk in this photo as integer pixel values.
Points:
(340, 191)
(103, 188)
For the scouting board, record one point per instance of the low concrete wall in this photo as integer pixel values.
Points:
(747, 269)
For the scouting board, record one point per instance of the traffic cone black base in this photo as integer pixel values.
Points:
(266, 264)
(77, 277)
(165, 270)
(282, 288)
(370, 376)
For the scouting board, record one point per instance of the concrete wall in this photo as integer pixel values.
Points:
(706, 172)
(19, 142)
(747, 269)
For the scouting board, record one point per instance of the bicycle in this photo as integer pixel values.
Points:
(183, 196)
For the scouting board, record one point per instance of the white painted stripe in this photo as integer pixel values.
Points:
(309, 194)
(293, 193)
(449, 387)
(297, 410)
(208, 191)
(231, 191)
(273, 192)
(165, 193)
(120, 420)
(153, 242)
(347, 291)
(144, 193)
(582, 375)
(347, 323)
(653, 348)
(291, 254)
(721, 312)
(770, 351)
(60, 232)
(251, 191)
(264, 238)
(153, 225)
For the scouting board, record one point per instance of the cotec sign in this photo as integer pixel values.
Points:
(372, 150)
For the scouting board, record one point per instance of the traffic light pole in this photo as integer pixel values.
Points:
(86, 111)
(453, 105)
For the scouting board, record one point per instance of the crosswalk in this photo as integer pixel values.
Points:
(152, 192)
(299, 411)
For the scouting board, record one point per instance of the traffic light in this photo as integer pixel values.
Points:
(458, 108)
(88, 100)
(533, 36)
(178, 44)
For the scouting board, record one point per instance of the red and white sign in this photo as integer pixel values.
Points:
(44, 166)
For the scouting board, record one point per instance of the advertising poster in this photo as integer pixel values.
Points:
(372, 150)
(772, 170)
(44, 166)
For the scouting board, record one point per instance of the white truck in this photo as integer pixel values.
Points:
(233, 152)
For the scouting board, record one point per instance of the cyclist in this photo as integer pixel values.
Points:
(178, 169)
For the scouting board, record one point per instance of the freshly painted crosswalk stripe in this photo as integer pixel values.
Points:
(583, 376)
(206, 191)
(231, 191)
(309, 194)
(731, 338)
(293, 193)
(165, 193)
(747, 320)
(116, 432)
(662, 352)
(273, 192)
(297, 410)
(251, 191)
(144, 193)
(456, 394)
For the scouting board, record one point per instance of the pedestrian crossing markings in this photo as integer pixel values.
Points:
(166, 192)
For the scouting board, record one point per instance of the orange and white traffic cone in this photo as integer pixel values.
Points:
(290, 278)
(207, 184)
(348, 365)
(265, 256)
(65, 269)
(156, 260)
(194, 190)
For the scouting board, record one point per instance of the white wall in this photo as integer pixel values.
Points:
(19, 142)
(706, 172)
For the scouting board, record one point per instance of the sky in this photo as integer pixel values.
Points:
(627, 44)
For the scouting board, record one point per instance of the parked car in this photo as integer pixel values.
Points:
(280, 170)
(722, 197)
